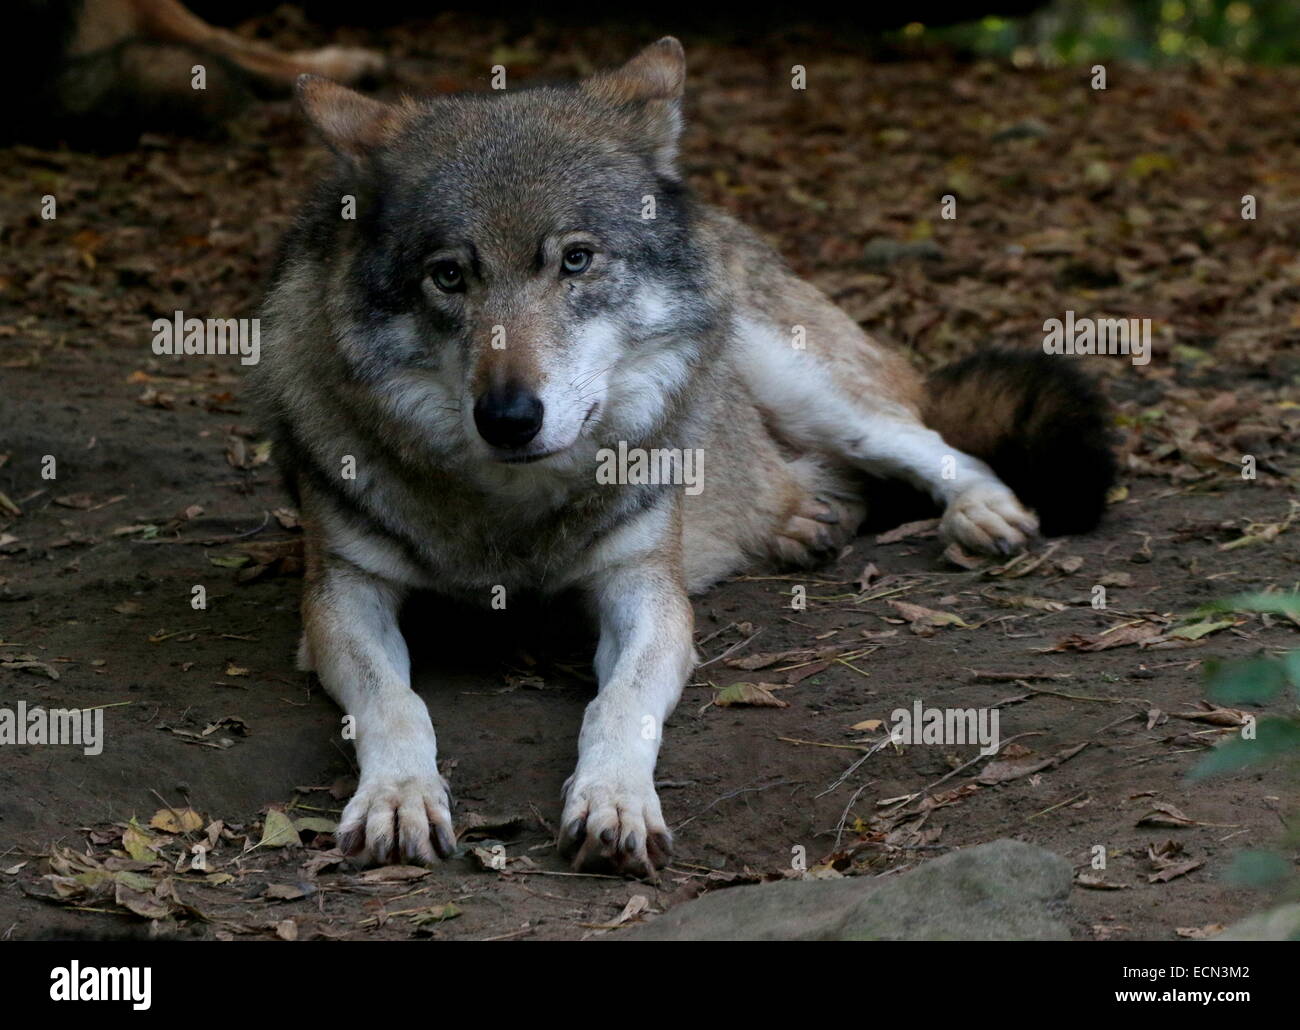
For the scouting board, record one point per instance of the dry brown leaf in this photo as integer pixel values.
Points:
(1200, 933)
(176, 820)
(1166, 815)
(1174, 871)
(1014, 769)
(924, 621)
(1096, 883)
(1215, 715)
(1120, 636)
(908, 531)
(393, 874)
(756, 694)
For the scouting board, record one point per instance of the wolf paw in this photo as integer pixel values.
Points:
(609, 826)
(988, 518)
(344, 64)
(392, 821)
(814, 533)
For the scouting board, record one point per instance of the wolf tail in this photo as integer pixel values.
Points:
(1039, 422)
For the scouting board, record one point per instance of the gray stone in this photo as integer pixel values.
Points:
(1006, 890)
(881, 250)
(1030, 128)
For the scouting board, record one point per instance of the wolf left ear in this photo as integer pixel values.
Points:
(649, 89)
(351, 124)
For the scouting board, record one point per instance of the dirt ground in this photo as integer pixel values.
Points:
(1123, 202)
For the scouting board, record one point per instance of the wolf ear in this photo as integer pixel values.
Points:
(649, 87)
(351, 124)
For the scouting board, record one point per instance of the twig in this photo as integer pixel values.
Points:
(854, 767)
(556, 872)
(733, 794)
(844, 816)
(212, 541)
(818, 743)
(1054, 807)
(512, 933)
(925, 791)
(733, 648)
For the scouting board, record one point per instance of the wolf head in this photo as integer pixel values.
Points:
(520, 269)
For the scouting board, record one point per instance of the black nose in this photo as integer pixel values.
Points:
(508, 417)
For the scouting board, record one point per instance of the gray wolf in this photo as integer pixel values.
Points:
(528, 285)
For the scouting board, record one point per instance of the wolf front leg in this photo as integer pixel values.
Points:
(979, 510)
(401, 810)
(612, 818)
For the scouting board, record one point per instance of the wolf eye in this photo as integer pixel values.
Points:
(576, 260)
(447, 276)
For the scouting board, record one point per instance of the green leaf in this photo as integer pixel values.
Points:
(1276, 604)
(1291, 663)
(1258, 869)
(1275, 739)
(1200, 629)
(1251, 681)
(229, 561)
(435, 914)
(139, 843)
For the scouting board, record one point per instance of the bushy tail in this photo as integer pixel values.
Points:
(1039, 422)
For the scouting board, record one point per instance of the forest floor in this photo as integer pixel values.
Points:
(1125, 202)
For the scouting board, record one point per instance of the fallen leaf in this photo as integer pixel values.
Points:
(1014, 769)
(908, 530)
(278, 831)
(176, 820)
(1166, 815)
(393, 874)
(145, 905)
(924, 621)
(757, 694)
(139, 845)
(1174, 871)
(632, 911)
(1096, 883)
(284, 892)
(1120, 636)
(435, 914)
(1200, 629)
(1215, 715)
(1200, 933)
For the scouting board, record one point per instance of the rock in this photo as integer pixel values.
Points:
(881, 250)
(1278, 924)
(1006, 890)
(1030, 128)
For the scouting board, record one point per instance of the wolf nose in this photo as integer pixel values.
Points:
(509, 417)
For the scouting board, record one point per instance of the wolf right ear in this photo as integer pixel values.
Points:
(351, 124)
(649, 87)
